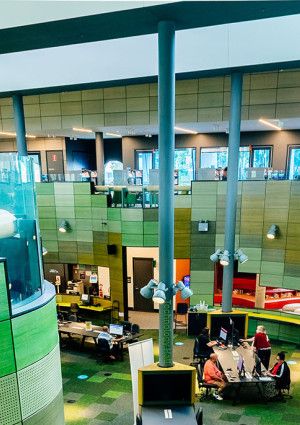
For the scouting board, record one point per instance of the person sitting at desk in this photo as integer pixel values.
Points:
(281, 372)
(262, 345)
(104, 334)
(213, 375)
(203, 345)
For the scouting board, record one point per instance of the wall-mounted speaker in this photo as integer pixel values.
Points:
(111, 249)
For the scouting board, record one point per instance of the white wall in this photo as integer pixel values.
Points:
(211, 48)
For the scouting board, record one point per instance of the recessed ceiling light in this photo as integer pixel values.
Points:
(185, 130)
(270, 124)
(82, 130)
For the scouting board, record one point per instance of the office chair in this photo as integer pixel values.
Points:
(199, 357)
(127, 326)
(199, 416)
(135, 329)
(181, 310)
(103, 349)
(138, 419)
(203, 384)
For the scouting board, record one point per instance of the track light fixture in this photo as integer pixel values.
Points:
(64, 226)
(224, 257)
(273, 232)
(157, 291)
(44, 250)
(240, 256)
(216, 256)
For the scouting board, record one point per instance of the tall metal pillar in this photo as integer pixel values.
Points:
(166, 146)
(20, 124)
(99, 144)
(232, 185)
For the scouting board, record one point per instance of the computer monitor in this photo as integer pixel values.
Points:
(85, 299)
(223, 334)
(116, 329)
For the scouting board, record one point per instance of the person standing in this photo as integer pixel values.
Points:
(262, 345)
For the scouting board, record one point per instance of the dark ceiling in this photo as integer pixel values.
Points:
(134, 22)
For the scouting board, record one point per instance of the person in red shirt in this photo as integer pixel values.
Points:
(213, 375)
(262, 345)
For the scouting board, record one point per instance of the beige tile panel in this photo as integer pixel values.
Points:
(204, 214)
(264, 80)
(204, 201)
(246, 82)
(114, 105)
(137, 90)
(186, 115)
(33, 124)
(30, 100)
(153, 89)
(208, 100)
(153, 117)
(288, 110)
(71, 108)
(213, 84)
(289, 79)
(115, 119)
(7, 112)
(70, 96)
(69, 121)
(134, 104)
(135, 118)
(93, 120)
(263, 97)
(288, 95)
(276, 215)
(95, 94)
(244, 116)
(50, 109)
(204, 188)
(114, 92)
(92, 106)
(294, 216)
(261, 111)
(245, 98)
(153, 103)
(8, 124)
(49, 123)
(51, 97)
(6, 101)
(32, 110)
(186, 101)
(210, 114)
(186, 86)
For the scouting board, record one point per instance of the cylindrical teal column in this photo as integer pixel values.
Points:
(20, 124)
(232, 185)
(166, 146)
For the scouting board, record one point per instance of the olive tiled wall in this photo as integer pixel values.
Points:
(260, 204)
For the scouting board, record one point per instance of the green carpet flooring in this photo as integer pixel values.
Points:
(104, 397)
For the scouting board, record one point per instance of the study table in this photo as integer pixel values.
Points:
(172, 415)
(79, 329)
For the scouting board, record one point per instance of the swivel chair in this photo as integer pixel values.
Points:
(203, 384)
(103, 349)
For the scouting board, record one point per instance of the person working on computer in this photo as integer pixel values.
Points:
(281, 373)
(213, 375)
(104, 334)
(261, 344)
(203, 345)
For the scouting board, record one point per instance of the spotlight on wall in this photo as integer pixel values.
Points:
(44, 250)
(185, 291)
(147, 291)
(159, 295)
(241, 256)
(272, 232)
(216, 256)
(64, 226)
(224, 258)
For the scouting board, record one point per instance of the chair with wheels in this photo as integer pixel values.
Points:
(199, 416)
(181, 310)
(103, 349)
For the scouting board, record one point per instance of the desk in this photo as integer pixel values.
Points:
(77, 328)
(181, 415)
(85, 307)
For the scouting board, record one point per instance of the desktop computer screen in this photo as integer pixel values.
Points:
(116, 329)
(223, 334)
(85, 299)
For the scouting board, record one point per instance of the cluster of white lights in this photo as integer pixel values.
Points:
(224, 257)
(157, 291)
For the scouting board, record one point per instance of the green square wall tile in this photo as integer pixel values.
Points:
(82, 188)
(4, 308)
(204, 214)
(151, 214)
(114, 214)
(63, 188)
(182, 201)
(132, 240)
(82, 200)
(47, 223)
(45, 200)
(50, 235)
(44, 188)
(51, 245)
(83, 212)
(132, 214)
(100, 237)
(46, 212)
(99, 213)
(271, 280)
(84, 258)
(83, 224)
(271, 267)
(52, 257)
(65, 212)
(67, 246)
(85, 247)
(85, 235)
(250, 267)
(132, 227)
(68, 257)
(64, 200)
(151, 228)
(114, 226)
(150, 240)
(99, 201)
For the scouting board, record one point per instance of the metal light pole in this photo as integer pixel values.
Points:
(20, 124)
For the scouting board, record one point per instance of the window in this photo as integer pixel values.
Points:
(108, 173)
(184, 162)
(294, 163)
(213, 158)
(261, 156)
(36, 163)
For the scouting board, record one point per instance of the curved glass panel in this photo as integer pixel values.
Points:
(19, 233)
